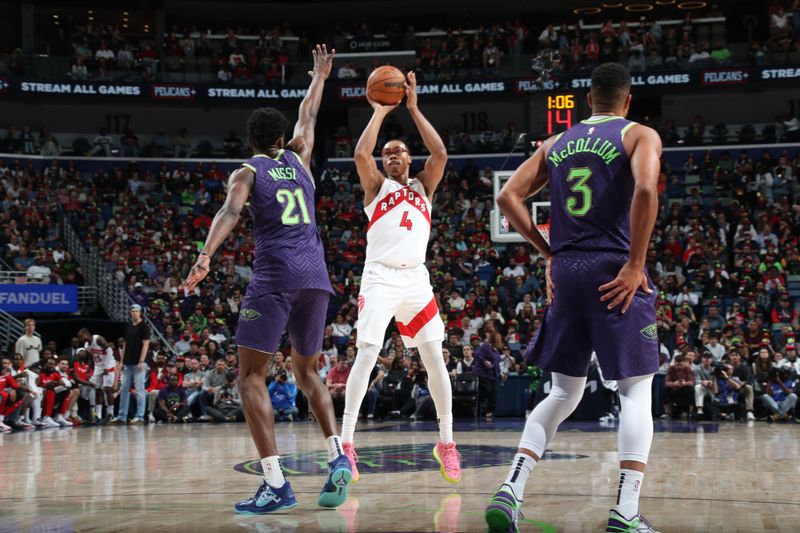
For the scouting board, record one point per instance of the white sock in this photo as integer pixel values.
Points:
(439, 385)
(446, 427)
(630, 485)
(272, 471)
(334, 443)
(356, 389)
(517, 477)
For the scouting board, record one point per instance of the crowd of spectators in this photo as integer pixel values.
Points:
(30, 242)
(444, 49)
(126, 144)
(45, 387)
(784, 28)
(265, 59)
(643, 46)
(103, 52)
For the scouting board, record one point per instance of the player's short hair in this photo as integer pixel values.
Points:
(611, 83)
(265, 126)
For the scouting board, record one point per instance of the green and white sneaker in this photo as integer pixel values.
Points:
(503, 514)
(619, 524)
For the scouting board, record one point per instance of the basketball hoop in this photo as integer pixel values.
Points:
(544, 229)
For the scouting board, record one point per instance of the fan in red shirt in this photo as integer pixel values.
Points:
(13, 400)
(337, 378)
(56, 396)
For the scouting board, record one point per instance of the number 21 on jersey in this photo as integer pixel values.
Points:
(291, 200)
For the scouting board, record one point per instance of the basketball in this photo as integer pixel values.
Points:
(386, 85)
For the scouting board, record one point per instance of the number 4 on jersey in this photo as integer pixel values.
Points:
(405, 222)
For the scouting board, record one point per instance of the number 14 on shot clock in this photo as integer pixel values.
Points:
(559, 112)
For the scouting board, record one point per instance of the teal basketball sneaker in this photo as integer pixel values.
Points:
(267, 500)
(334, 492)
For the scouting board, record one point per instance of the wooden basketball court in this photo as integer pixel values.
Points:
(702, 477)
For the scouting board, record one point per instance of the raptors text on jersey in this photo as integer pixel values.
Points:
(399, 225)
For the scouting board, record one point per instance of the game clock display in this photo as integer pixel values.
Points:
(560, 112)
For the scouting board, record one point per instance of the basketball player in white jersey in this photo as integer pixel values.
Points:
(103, 378)
(395, 282)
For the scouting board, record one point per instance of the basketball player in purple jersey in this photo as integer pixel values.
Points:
(602, 174)
(289, 289)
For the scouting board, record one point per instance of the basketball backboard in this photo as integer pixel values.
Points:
(501, 230)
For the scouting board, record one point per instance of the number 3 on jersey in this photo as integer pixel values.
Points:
(405, 222)
(575, 207)
(290, 200)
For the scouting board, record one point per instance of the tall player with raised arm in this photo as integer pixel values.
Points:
(395, 282)
(603, 176)
(289, 290)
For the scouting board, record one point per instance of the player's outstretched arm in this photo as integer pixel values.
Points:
(645, 150)
(240, 184)
(302, 142)
(368, 174)
(434, 165)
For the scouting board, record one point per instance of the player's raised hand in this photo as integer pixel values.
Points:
(380, 108)
(622, 289)
(323, 61)
(198, 272)
(411, 90)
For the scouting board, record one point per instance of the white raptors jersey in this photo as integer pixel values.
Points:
(399, 225)
(103, 358)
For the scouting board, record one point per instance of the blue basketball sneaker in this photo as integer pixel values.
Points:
(503, 514)
(267, 500)
(334, 493)
(619, 524)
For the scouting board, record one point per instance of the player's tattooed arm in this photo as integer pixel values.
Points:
(240, 184)
(433, 172)
(368, 174)
(302, 142)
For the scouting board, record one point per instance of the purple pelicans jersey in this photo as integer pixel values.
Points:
(290, 287)
(591, 188)
(288, 249)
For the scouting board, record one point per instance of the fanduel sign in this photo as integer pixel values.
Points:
(33, 298)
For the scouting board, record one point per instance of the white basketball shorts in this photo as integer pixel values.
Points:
(403, 293)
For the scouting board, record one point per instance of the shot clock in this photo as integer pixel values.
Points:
(560, 112)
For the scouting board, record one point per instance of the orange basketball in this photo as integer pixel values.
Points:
(385, 85)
